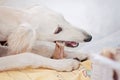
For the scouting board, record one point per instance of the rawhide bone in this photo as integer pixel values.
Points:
(59, 50)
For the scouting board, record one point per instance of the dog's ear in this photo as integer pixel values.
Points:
(22, 39)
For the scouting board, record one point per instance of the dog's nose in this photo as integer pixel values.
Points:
(89, 38)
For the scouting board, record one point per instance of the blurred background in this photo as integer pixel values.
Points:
(101, 18)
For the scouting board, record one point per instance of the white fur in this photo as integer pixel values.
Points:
(23, 28)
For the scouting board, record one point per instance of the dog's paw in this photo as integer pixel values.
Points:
(67, 65)
(72, 65)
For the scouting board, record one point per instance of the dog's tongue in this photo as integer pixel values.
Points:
(59, 51)
(71, 44)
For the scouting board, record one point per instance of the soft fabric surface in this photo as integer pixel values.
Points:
(83, 73)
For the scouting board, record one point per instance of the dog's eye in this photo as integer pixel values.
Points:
(58, 30)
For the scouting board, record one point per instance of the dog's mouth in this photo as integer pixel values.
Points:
(72, 44)
(59, 48)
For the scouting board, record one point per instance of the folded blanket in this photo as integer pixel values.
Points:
(83, 73)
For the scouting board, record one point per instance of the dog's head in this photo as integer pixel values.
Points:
(53, 27)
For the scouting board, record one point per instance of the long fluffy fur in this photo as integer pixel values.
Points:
(22, 39)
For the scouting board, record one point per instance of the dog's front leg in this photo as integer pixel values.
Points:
(20, 61)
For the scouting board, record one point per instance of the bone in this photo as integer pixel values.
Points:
(59, 51)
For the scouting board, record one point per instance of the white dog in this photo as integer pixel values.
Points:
(23, 29)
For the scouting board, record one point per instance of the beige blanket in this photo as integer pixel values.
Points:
(83, 73)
